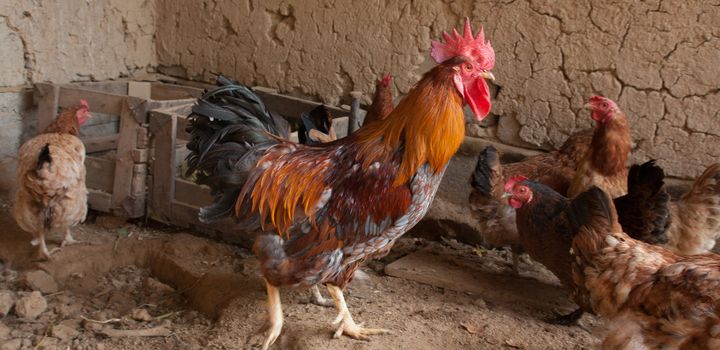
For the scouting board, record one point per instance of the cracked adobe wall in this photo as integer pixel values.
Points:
(64, 41)
(658, 59)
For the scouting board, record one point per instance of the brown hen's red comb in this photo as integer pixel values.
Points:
(512, 181)
(386, 79)
(475, 48)
(84, 104)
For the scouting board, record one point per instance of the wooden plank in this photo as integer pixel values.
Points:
(143, 139)
(123, 158)
(162, 92)
(140, 155)
(114, 87)
(182, 125)
(46, 96)
(192, 193)
(101, 102)
(163, 167)
(446, 272)
(99, 200)
(141, 89)
(100, 143)
(100, 173)
(292, 107)
(185, 215)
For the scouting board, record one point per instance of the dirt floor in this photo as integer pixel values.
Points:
(143, 286)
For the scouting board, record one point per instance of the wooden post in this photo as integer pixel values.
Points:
(47, 96)
(164, 130)
(122, 186)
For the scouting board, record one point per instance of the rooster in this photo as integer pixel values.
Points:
(382, 103)
(654, 299)
(545, 231)
(604, 164)
(338, 204)
(51, 195)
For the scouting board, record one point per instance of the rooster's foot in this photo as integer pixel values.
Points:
(317, 298)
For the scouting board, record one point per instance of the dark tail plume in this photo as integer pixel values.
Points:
(487, 173)
(230, 127)
(644, 212)
(44, 157)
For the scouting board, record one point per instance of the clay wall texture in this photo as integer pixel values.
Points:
(658, 59)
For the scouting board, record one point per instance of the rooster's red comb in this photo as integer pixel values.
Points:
(512, 181)
(473, 47)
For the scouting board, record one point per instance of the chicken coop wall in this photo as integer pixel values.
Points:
(656, 58)
(61, 42)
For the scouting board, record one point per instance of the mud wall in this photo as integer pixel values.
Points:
(64, 41)
(657, 58)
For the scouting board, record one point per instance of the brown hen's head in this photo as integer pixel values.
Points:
(475, 58)
(602, 109)
(518, 193)
(83, 112)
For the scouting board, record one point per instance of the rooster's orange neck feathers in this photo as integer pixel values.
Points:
(428, 126)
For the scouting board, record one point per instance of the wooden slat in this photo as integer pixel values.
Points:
(101, 102)
(124, 158)
(99, 200)
(181, 126)
(185, 215)
(162, 92)
(141, 89)
(292, 107)
(100, 173)
(46, 96)
(164, 127)
(192, 194)
(100, 143)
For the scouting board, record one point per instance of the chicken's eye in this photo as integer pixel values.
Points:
(468, 67)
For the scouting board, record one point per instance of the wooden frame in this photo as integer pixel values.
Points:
(116, 163)
(174, 200)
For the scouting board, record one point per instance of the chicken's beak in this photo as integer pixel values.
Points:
(588, 106)
(487, 75)
(506, 195)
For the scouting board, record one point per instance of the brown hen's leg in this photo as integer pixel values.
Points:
(317, 298)
(43, 252)
(346, 324)
(68, 239)
(275, 316)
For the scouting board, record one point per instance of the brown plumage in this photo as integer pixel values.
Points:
(382, 103)
(545, 230)
(696, 216)
(652, 297)
(554, 169)
(605, 162)
(51, 195)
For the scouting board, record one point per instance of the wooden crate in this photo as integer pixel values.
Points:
(174, 200)
(118, 147)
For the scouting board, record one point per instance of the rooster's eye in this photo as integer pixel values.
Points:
(467, 67)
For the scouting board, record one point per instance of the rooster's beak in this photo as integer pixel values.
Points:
(506, 195)
(487, 75)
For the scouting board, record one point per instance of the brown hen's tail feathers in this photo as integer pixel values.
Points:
(708, 184)
(230, 127)
(644, 211)
(487, 174)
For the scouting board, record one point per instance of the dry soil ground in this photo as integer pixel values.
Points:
(130, 279)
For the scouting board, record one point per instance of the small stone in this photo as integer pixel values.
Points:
(31, 306)
(99, 346)
(4, 331)
(141, 315)
(7, 300)
(64, 332)
(156, 286)
(14, 344)
(41, 281)
(480, 303)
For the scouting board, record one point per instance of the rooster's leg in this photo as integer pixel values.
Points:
(346, 324)
(68, 239)
(317, 298)
(275, 316)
